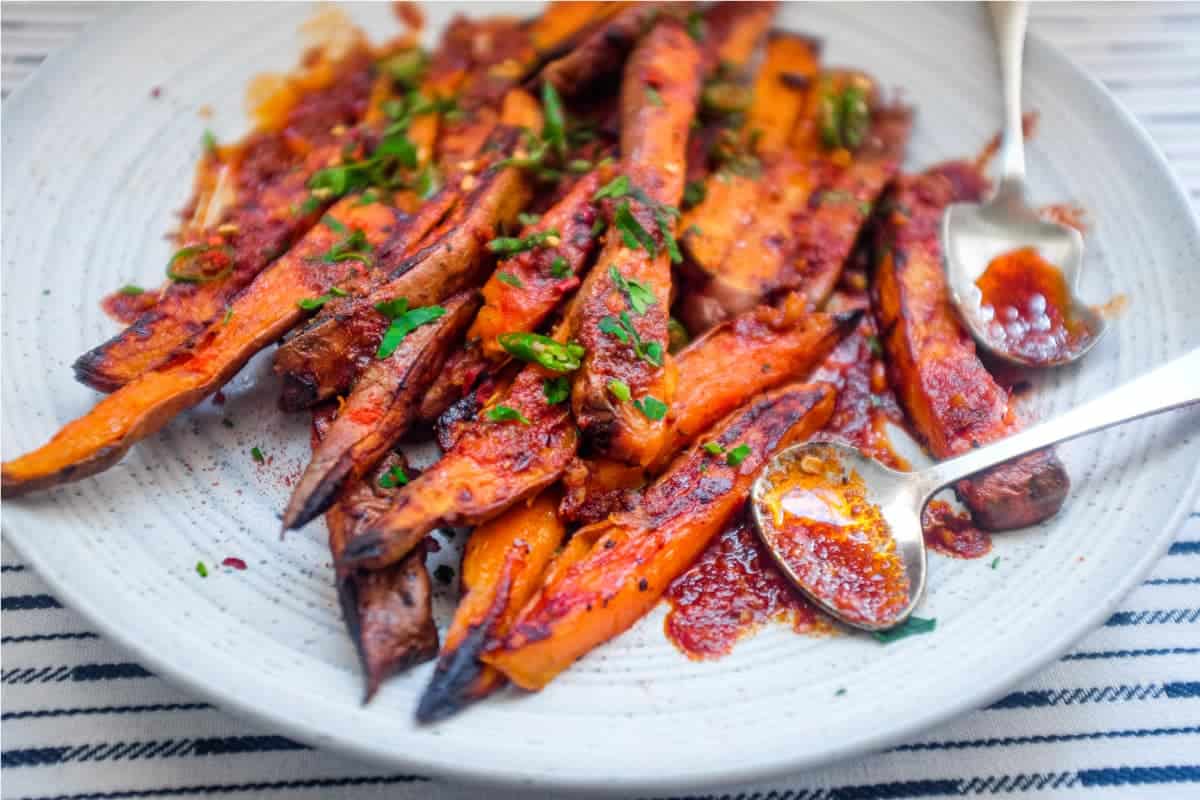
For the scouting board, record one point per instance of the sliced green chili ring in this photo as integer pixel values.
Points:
(542, 350)
(189, 255)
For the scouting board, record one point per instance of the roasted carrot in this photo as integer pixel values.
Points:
(268, 175)
(379, 410)
(388, 612)
(502, 566)
(320, 361)
(953, 402)
(256, 318)
(627, 378)
(613, 572)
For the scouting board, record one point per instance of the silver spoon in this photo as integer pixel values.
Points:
(973, 235)
(902, 495)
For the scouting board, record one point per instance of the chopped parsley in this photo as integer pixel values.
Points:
(696, 27)
(554, 120)
(694, 193)
(130, 290)
(913, 626)
(651, 407)
(404, 321)
(209, 141)
(201, 570)
(393, 477)
(579, 165)
(995, 562)
(654, 97)
(622, 329)
(556, 390)
(542, 350)
(228, 315)
(639, 295)
(737, 455)
(510, 279)
(559, 268)
(257, 455)
(334, 224)
(677, 335)
(844, 117)
(616, 188)
(632, 232)
(528, 219)
(506, 414)
(714, 448)
(311, 303)
(353, 247)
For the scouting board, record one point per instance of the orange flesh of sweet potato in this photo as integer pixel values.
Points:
(733, 31)
(614, 572)
(501, 568)
(658, 101)
(736, 237)
(258, 317)
(603, 49)
(525, 289)
(492, 465)
(378, 411)
(951, 399)
(269, 172)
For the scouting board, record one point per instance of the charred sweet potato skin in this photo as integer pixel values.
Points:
(501, 568)
(613, 572)
(270, 171)
(658, 102)
(320, 361)
(379, 410)
(258, 317)
(388, 612)
(602, 51)
(952, 400)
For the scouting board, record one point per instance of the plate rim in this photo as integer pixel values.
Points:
(175, 671)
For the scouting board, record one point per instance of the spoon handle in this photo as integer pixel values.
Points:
(1008, 24)
(1175, 384)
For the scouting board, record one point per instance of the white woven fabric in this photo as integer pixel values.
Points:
(1118, 717)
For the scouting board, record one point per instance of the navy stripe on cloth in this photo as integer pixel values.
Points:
(162, 748)
(72, 712)
(12, 567)
(1098, 694)
(28, 602)
(1161, 616)
(1087, 655)
(81, 672)
(231, 788)
(1184, 549)
(46, 637)
(1008, 741)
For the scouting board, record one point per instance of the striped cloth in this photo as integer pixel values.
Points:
(1119, 717)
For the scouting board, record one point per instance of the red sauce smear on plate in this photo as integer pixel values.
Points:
(1029, 307)
(731, 591)
(818, 519)
(953, 533)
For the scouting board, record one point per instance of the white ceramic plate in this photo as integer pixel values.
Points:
(93, 170)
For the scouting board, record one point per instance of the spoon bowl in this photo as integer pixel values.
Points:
(901, 496)
(973, 235)
(896, 494)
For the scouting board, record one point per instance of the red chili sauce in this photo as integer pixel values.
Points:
(730, 592)
(817, 518)
(126, 305)
(1027, 307)
(953, 534)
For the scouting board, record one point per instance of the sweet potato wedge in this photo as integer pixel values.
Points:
(752, 353)
(525, 289)
(388, 613)
(269, 174)
(378, 411)
(257, 317)
(603, 50)
(738, 236)
(953, 402)
(613, 572)
(501, 568)
(733, 31)
(320, 361)
(658, 102)
(496, 461)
